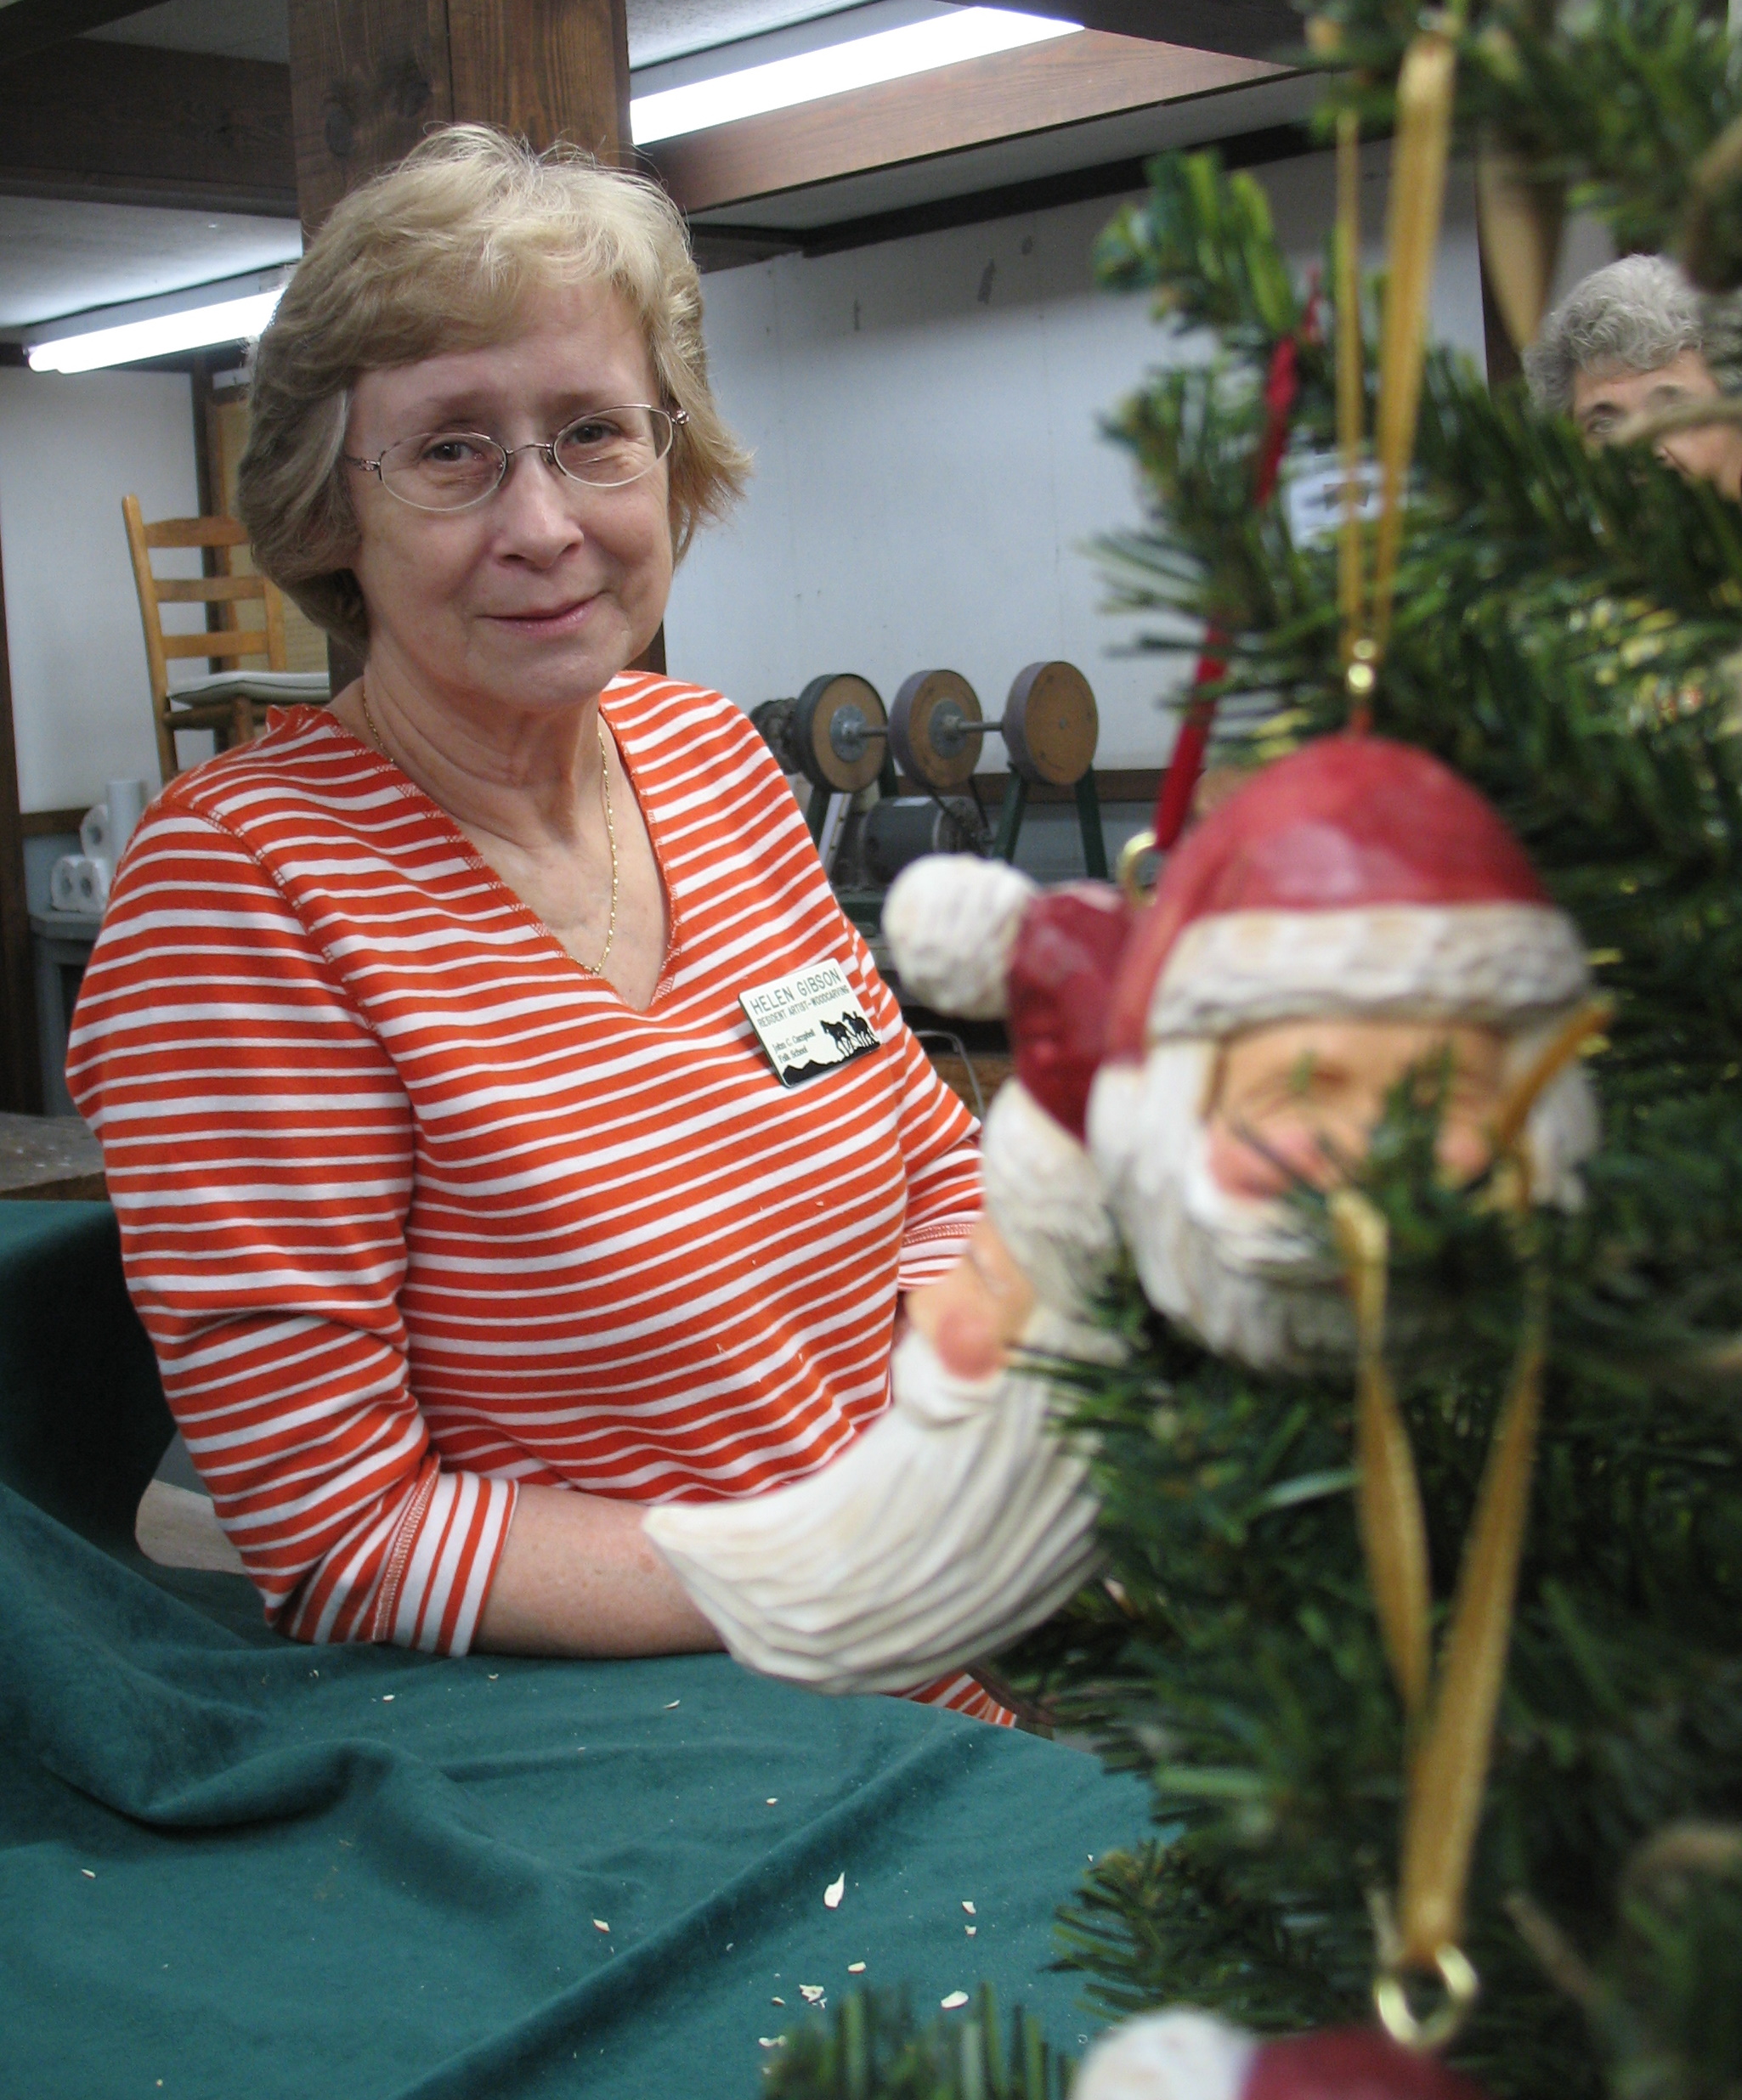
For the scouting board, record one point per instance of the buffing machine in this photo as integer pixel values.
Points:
(839, 736)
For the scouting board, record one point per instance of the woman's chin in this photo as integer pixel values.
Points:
(517, 670)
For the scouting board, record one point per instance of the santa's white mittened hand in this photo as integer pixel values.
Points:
(959, 1521)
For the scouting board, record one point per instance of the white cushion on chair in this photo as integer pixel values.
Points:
(270, 688)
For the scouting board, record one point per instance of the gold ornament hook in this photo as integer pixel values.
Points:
(1138, 894)
(1433, 2030)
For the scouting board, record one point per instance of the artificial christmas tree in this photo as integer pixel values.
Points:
(1301, 1676)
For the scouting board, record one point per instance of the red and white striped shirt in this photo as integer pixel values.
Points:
(415, 1208)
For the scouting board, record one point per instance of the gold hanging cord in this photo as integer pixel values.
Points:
(1420, 151)
(1450, 1724)
(1450, 1720)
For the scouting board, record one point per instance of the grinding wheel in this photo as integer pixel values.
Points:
(935, 729)
(774, 719)
(1051, 726)
(839, 731)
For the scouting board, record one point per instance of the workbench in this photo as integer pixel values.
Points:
(230, 1864)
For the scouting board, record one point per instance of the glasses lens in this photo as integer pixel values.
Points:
(612, 446)
(444, 470)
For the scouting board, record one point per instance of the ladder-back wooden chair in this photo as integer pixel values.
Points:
(219, 701)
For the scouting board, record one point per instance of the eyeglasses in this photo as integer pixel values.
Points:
(452, 470)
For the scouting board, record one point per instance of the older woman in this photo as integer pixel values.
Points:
(1635, 337)
(465, 1211)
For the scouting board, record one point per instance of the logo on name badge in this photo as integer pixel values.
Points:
(809, 1023)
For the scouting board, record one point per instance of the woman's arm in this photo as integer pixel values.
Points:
(259, 1151)
(577, 1577)
(940, 1151)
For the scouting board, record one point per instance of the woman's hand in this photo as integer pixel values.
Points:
(577, 1576)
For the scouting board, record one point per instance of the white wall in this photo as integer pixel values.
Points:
(929, 477)
(929, 470)
(72, 445)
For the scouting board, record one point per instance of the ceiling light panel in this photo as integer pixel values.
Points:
(234, 311)
(865, 61)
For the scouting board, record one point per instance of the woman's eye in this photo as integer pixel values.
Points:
(447, 451)
(597, 430)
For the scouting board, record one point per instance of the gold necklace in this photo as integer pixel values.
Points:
(593, 969)
(598, 968)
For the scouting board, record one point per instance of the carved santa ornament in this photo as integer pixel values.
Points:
(1354, 910)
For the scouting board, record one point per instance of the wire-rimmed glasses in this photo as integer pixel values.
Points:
(452, 470)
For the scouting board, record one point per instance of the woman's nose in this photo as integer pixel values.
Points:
(538, 503)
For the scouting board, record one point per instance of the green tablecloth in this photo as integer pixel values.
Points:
(230, 1866)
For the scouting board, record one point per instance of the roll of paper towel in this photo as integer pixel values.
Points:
(79, 881)
(125, 803)
(108, 824)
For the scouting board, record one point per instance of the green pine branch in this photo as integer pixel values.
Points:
(874, 2048)
(1616, 100)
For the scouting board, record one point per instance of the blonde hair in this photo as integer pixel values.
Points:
(443, 252)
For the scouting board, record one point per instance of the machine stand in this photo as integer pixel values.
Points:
(1094, 845)
(1009, 815)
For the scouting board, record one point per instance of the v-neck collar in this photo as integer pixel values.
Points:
(507, 894)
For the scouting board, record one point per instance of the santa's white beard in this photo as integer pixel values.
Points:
(1236, 1271)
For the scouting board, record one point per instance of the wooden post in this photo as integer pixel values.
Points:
(368, 78)
(1503, 360)
(21, 1061)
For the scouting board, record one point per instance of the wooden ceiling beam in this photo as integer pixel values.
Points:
(1042, 86)
(130, 124)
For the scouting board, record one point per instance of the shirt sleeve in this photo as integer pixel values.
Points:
(257, 1146)
(940, 1143)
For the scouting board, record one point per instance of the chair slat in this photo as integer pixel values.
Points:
(221, 642)
(208, 590)
(196, 532)
(231, 719)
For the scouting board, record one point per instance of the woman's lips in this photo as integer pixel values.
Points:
(563, 620)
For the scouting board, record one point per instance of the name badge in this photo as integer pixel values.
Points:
(809, 1023)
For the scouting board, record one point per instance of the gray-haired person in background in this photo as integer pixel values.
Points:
(1636, 336)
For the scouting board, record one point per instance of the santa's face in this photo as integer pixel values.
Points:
(1199, 1143)
(1297, 1101)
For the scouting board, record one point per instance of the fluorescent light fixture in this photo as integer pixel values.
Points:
(233, 311)
(860, 62)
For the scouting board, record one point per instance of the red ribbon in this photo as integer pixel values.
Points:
(1185, 767)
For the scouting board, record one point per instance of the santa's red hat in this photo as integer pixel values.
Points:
(975, 938)
(1358, 877)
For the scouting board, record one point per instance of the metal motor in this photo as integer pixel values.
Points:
(906, 827)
